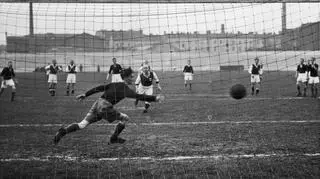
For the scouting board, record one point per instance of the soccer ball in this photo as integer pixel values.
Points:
(238, 91)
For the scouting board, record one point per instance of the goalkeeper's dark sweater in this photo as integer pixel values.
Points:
(115, 92)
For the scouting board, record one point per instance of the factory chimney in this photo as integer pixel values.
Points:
(284, 18)
(30, 19)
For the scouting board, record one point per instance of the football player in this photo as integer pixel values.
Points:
(8, 79)
(256, 71)
(144, 84)
(188, 75)
(53, 79)
(115, 71)
(301, 75)
(103, 108)
(71, 77)
(313, 77)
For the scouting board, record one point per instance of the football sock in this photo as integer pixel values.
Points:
(190, 85)
(252, 90)
(68, 90)
(315, 92)
(1, 91)
(312, 91)
(257, 91)
(72, 128)
(298, 88)
(136, 102)
(146, 105)
(12, 95)
(72, 92)
(304, 91)
(185, 85)
(119, 128)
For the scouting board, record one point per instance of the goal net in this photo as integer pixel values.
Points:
(216, 38)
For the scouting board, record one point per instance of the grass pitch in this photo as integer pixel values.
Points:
(201, 133)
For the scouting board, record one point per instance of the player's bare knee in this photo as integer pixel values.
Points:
(124, 117)
(84, 123)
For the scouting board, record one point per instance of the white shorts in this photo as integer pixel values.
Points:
(188, 76)
(313, 80)
(52, 78)
(71, 78)
(302, 77)
(115, 78)
(6, 83)
(147, 90)
(255, 78)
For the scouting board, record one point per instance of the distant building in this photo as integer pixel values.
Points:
(54, 42)
(130, 40)
(86, 42)
(213, 42)
(305, 37)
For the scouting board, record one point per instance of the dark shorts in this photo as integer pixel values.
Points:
(102, 109)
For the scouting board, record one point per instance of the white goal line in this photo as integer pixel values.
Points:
(170, 123)
(152, 158)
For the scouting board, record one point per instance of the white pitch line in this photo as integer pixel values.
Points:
(169, 123)
(181, 98)
(152, 158)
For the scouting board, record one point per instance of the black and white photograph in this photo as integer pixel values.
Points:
(159, 89)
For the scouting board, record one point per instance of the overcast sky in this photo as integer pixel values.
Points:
(152, 18)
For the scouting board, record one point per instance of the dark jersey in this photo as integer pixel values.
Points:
(313, 69)
(255, 69)
(188, 69)
(72, 69)
(147, 80)
(115, 69)
(115, 92)
(302, 68)
(53, 69)
(7, 73)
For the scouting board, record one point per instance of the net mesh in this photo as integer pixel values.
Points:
(220, 40)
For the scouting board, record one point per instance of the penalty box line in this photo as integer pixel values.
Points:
(152, 158)
(171, 123)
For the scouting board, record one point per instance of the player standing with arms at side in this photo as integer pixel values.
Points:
(115, 71)
(301, 75)
(71, 77)
(188, 75)
(313, 77)
(144, 84)
(256, 74)
(53, 79)
(103, 108)
(8, 79)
